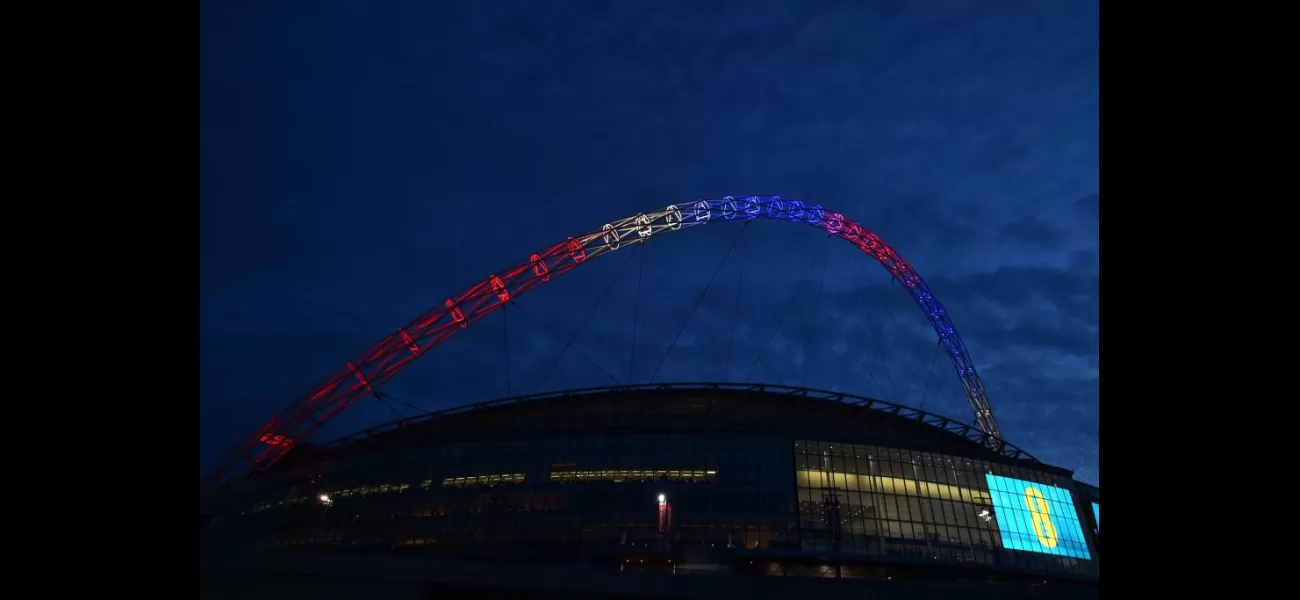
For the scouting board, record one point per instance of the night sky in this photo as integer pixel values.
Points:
(360, 161)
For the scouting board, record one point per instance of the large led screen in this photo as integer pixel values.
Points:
(1036, 518)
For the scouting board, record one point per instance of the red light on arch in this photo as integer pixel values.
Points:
(457, 314)
(499, 287)
(576, 251)
(540, 269)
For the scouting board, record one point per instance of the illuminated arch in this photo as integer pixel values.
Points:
(383, 360)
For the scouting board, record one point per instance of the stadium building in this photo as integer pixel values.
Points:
(683, 479)
(562, 491)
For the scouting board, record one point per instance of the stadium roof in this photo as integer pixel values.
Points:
(677, 405)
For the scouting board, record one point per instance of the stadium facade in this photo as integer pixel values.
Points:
(679, 478)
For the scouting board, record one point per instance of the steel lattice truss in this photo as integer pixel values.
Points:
(358, 377)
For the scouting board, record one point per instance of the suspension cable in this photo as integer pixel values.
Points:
(821, 292)
(381, 400)
(957, 406)
(780, 326)
(574, 337)
(541, 324)
(636, 313)
(735, 310)
(889, 373)
(505, 341)
(911, 381)
(385, 396)
(938, 344)
(698, 299)
(871, 312)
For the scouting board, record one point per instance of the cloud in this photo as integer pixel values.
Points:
(1089, 206)
(357, 168)
(1033, 231)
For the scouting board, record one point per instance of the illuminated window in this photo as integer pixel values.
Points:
(493, 479)
(819, 479)
(633, 476)
(369, 490)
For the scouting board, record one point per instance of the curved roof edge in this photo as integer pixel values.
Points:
(969, 432)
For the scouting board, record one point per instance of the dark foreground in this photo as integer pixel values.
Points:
(383, 577)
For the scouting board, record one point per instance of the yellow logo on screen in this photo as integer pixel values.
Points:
(1042, 517)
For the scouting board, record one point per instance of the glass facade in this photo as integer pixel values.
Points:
(732, 490)
(867, 500)
(764, 480)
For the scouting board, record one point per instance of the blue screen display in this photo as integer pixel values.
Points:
(1036, 517)
(1096, 516)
